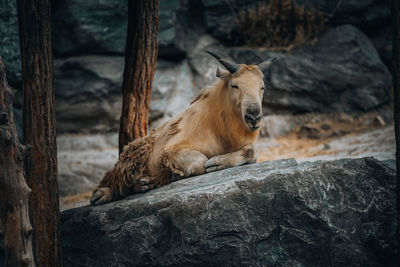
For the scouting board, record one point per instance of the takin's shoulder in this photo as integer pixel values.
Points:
(204, 94)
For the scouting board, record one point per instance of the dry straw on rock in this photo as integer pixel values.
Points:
(279, 24)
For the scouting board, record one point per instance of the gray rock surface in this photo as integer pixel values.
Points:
(99, 27)
(277, 125)
(89, 27)
(173, 89)
(342, 72)
(83, 161)
(377, 143)
(88, 93)
(267, 214)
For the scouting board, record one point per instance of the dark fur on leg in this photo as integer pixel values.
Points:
(124, 178)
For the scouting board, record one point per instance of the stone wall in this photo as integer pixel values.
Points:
(344, 66)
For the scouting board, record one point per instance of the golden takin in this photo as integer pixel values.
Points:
(217, 131)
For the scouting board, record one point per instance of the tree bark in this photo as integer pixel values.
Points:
(14, 192)
(39, 128)
(396, 87)
(140, 63)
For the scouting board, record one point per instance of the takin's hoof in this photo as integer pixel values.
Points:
(145, 184)
(175, 177)
(100, 196)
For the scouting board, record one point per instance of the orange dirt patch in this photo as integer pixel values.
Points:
(294, 147)
(365, 142)
(71, 200)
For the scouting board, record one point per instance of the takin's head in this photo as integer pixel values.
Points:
(245, 87)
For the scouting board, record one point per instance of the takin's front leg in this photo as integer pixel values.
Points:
(129, 174)
(119, 182)
(246, 154)
(184, 163)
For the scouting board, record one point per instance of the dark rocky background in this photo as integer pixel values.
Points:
(345, 70)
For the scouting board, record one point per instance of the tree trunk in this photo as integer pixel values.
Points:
(39, 128)
(396, 87)
(140, 63)
(14, 192)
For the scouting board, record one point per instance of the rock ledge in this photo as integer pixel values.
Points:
(274, 213)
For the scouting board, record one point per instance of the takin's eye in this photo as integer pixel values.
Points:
(262, 88)
(235, 86)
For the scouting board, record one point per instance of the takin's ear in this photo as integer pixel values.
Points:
(223, 74)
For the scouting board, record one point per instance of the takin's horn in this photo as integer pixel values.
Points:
(231, 66)
(263, 66)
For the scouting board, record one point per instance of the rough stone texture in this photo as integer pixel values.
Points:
(324, 78)
(99, 27)
(369, 15)
(88, 27)
(320, 78)
(277, 125)
(88, 93)
(83, 161)
(267, 214)
(377, 143)
(168, 34)
(180, 24)
(103, 29)
(173, 89)
(9, 41)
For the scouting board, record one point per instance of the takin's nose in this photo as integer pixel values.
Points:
(253, 120)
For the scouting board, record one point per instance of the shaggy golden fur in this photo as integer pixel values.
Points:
(211, 134)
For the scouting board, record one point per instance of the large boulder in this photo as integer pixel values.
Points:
(342, 72)
(266, 214)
